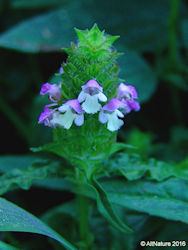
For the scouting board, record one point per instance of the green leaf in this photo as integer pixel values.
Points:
(167, 199)
(35, 4)
(144, 30)
(137, 72)
(54, 184)
(105, 208)
(14, 218)
(184, 27)
(177, 80)
(10, 162)
(64, 219)
(142, 25)
(47, 32)
(179, 134)
(24, 178)
(133, 167)
(120, 146)
(141, 141)
(5, 246)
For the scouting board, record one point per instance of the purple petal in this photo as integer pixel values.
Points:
(126, 91)
(45, 88)
(131, 105)
(92, 84)
(46, 116)
(53, 90)
(74, 103)
(61, 71)
(133, 91)
(113, 104)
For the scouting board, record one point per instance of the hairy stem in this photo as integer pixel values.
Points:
(83, 219)
(83, 216)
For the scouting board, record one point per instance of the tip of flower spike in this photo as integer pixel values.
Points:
(95, 38)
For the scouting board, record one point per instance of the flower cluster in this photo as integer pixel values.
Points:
(88, 101)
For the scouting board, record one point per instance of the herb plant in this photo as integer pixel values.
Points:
(107, 166)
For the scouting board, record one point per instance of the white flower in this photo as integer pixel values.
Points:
(72, 112)
(90, 95)
(109, 114)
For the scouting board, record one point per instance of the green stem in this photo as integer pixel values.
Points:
(83, 219)
(173, 21)
(14, 118)
(83, 212)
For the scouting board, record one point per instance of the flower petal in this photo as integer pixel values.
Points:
(63, 107)
(113, 122)
(103, 117)
(45, 88)
(113, 104)
(46, 115)
(82, 96)
(92, 84)
(91, 105)
(102, 97)
(75, 105)
(53, 90)
(64, 120)
(131, 105)
(119, 113)
(126, 91)
(79, 120)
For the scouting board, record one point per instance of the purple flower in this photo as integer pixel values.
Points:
(72, 112)
(61, 71)
(109, 114)
(53, 90)
(127, 94)
(90, 95)
(46, 116)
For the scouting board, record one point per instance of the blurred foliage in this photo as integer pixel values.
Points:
(147, 180)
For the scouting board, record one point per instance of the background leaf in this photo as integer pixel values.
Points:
(14, 218)
(5, 246)
(22, 4)
(167, 199)
(47, 32)
(138, 73)
(10, 162)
